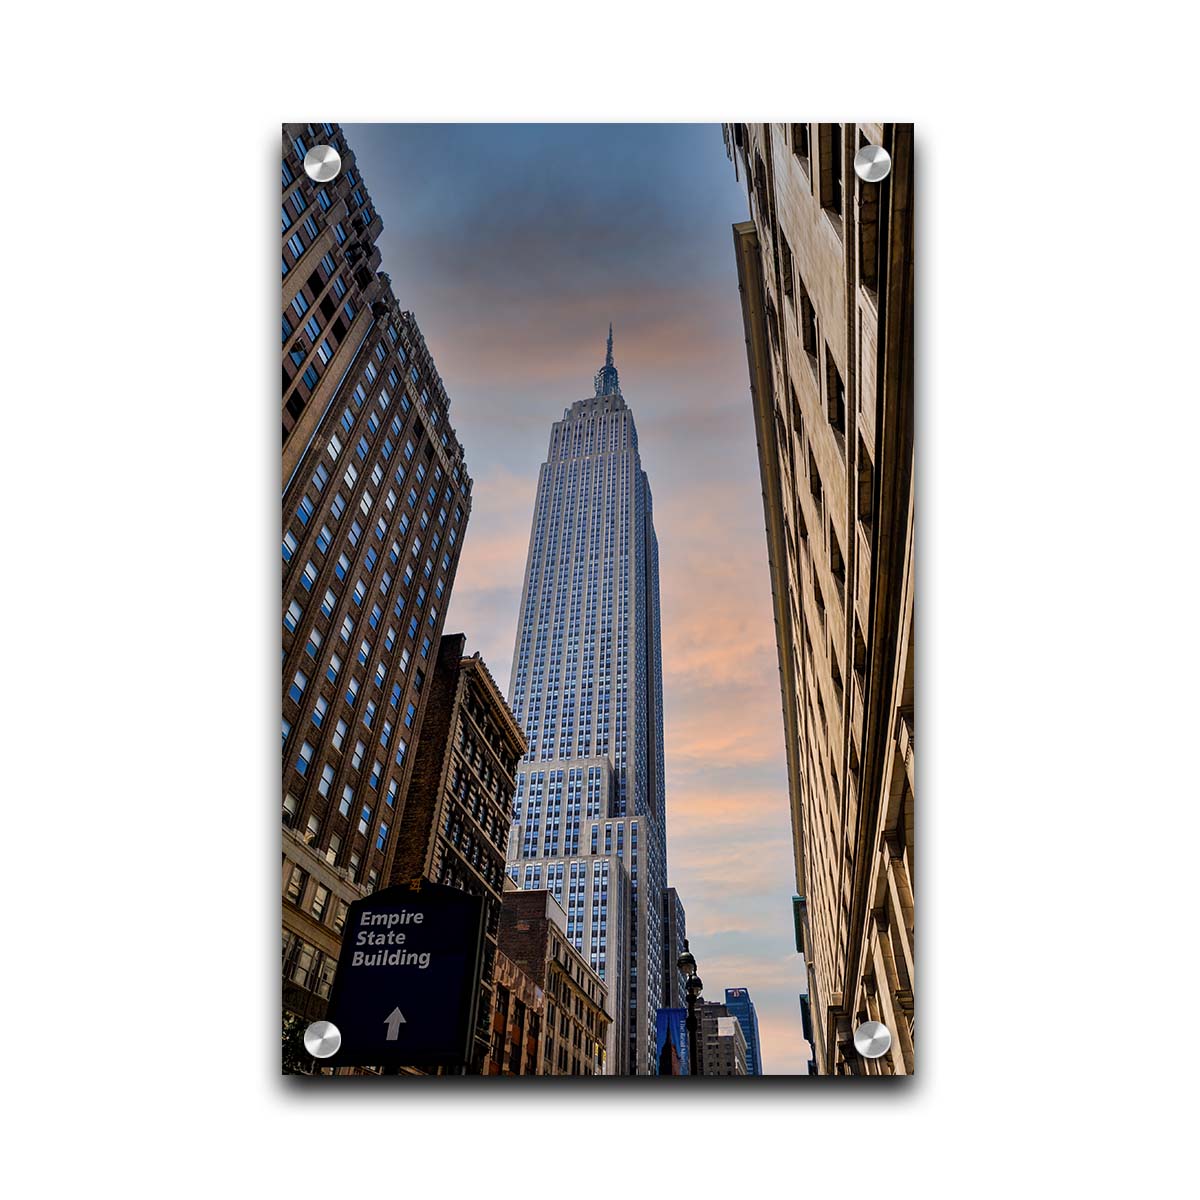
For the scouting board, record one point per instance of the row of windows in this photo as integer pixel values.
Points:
(313, 898)
(347, 712)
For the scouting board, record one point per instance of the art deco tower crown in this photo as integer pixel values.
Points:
(608, 382)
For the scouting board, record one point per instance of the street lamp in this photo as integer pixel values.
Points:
(693, 987)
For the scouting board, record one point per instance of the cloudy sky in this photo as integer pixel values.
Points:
(514, 246)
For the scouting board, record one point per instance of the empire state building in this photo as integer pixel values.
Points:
(589, 815)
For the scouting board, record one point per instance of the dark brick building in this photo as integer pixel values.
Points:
(376, 498)
(533, 938)
(459, 805)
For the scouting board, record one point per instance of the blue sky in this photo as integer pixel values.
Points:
(514, 246)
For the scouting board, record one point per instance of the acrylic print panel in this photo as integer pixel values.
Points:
(598, 705)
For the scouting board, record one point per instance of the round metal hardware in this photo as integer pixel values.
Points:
(872, 1040)
(322, 1039)
(323, 163)
(872, 164)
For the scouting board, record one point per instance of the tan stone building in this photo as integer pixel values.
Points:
(825, 268)
(516, 1023)
(533, 938)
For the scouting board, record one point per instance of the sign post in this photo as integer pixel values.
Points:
(406, 991)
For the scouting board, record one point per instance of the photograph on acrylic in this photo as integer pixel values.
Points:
(598, 699)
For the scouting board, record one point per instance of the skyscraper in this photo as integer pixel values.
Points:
(739, 1004)
(376, 498)
(674, 934)
(826, 274)
(587, 690)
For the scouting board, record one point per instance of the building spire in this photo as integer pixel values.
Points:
(608, 383)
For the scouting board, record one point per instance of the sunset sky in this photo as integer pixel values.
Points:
(515, 246)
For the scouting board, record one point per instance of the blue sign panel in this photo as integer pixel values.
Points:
(407, 983)
(672, 1042)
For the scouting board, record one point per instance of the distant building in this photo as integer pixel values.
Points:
(731, 1047)
(674, 931)
(722, 1044)
(459, 805)
(533, 938)
(739, 1004)
(825, 270)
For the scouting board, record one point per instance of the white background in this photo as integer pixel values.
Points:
(1057, 177)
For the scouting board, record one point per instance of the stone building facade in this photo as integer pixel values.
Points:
(517, 1022)
(376, 499)
(459, 802)
(825, 268)
(587, 688)
(577, 1018)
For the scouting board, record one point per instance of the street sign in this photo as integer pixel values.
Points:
(407, 984)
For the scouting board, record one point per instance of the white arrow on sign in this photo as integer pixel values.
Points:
(394, 1020)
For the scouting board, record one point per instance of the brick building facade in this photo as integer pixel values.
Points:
(533, 937)
(459, 804)
(376, 499)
